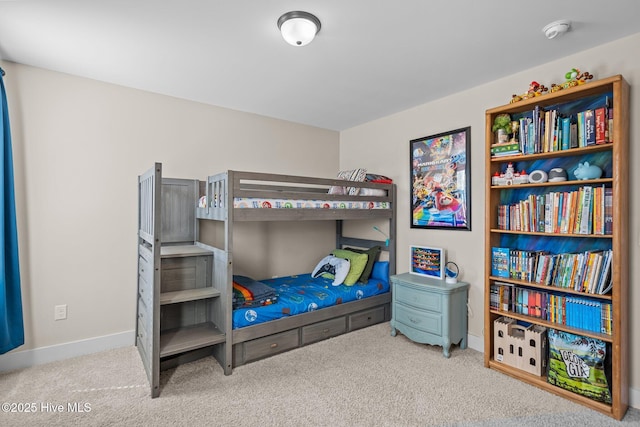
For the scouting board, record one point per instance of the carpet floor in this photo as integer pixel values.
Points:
(364, 378)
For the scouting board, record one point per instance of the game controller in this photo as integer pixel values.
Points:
(339, 267)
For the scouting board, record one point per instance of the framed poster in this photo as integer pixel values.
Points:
(441, 180)
(428, 262)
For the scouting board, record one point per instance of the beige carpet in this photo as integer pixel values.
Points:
(365, 378)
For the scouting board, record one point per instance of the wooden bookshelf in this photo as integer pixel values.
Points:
(614, 158)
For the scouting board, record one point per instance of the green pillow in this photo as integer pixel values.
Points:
(373, 254)
(358, 263)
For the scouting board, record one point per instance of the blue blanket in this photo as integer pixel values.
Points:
(302, 293)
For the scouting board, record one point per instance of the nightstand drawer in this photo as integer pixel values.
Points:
(411, 295)
(424, 321)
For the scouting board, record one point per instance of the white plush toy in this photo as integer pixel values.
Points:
(339, 267)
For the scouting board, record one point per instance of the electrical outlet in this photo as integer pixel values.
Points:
(60, 312)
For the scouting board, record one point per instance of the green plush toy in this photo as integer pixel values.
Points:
(502, 121)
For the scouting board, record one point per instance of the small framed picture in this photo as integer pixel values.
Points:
(428, 262)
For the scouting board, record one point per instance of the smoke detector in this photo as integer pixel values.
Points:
(556, 28)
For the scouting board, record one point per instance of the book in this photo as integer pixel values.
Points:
(500, 260)
(565, 132)
(605, 275)
(573, 135)
(608, 210)
(585, 220)
(601, 125)
(505, 296)
(580, 129)
(509, 146)
(610, 124)
(589, 128)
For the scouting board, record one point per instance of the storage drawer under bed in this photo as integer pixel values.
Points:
(366, 318)
(263, 347)
(323, 330)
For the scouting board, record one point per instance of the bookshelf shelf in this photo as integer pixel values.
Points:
(535, 233)
(534, 320)
(604, 240)
(561, 153)
(525, 283)
(541, 382)
(553, 184)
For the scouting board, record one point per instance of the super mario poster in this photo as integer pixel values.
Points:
(441, 181)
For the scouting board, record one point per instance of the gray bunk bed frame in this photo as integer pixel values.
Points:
(170, 205)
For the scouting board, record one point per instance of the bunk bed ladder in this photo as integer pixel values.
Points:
(148, 301)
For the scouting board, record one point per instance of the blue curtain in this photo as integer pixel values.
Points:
(11, 325)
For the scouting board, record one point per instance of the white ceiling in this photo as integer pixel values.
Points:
(371, 58)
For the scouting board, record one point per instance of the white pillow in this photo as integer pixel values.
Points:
(357, 175)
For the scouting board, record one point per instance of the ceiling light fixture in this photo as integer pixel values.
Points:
(556, 28)
(298, 28)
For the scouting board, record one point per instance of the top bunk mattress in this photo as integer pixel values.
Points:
(249, 191)
(271, 203)
(301, 293)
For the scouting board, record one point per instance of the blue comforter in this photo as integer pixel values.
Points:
(302, 293)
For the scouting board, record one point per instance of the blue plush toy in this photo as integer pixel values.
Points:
(587, 171)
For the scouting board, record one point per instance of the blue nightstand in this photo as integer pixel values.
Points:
(429, 311)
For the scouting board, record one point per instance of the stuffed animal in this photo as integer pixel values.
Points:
(573, 78)
(587, 171)
(535, 89)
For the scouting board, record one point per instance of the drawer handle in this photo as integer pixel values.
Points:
(326, 331)
(274, 345)
(414, 320)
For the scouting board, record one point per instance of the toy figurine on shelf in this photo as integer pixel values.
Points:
(573, 78)
(535, 89)
(510, 176)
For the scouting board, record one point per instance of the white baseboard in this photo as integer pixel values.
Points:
(634, 398)
(475, 343)
(37, 356)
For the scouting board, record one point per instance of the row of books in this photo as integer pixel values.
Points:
(588, 210)
(547, 131)
(588, 272)
(576, 312)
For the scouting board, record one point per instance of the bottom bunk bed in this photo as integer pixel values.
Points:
(185, 292)
(306, 310)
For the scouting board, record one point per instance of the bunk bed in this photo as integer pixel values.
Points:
(229, 198)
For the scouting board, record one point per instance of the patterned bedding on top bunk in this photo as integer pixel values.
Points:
(255, 202)
(301, 293)
(259, 202)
